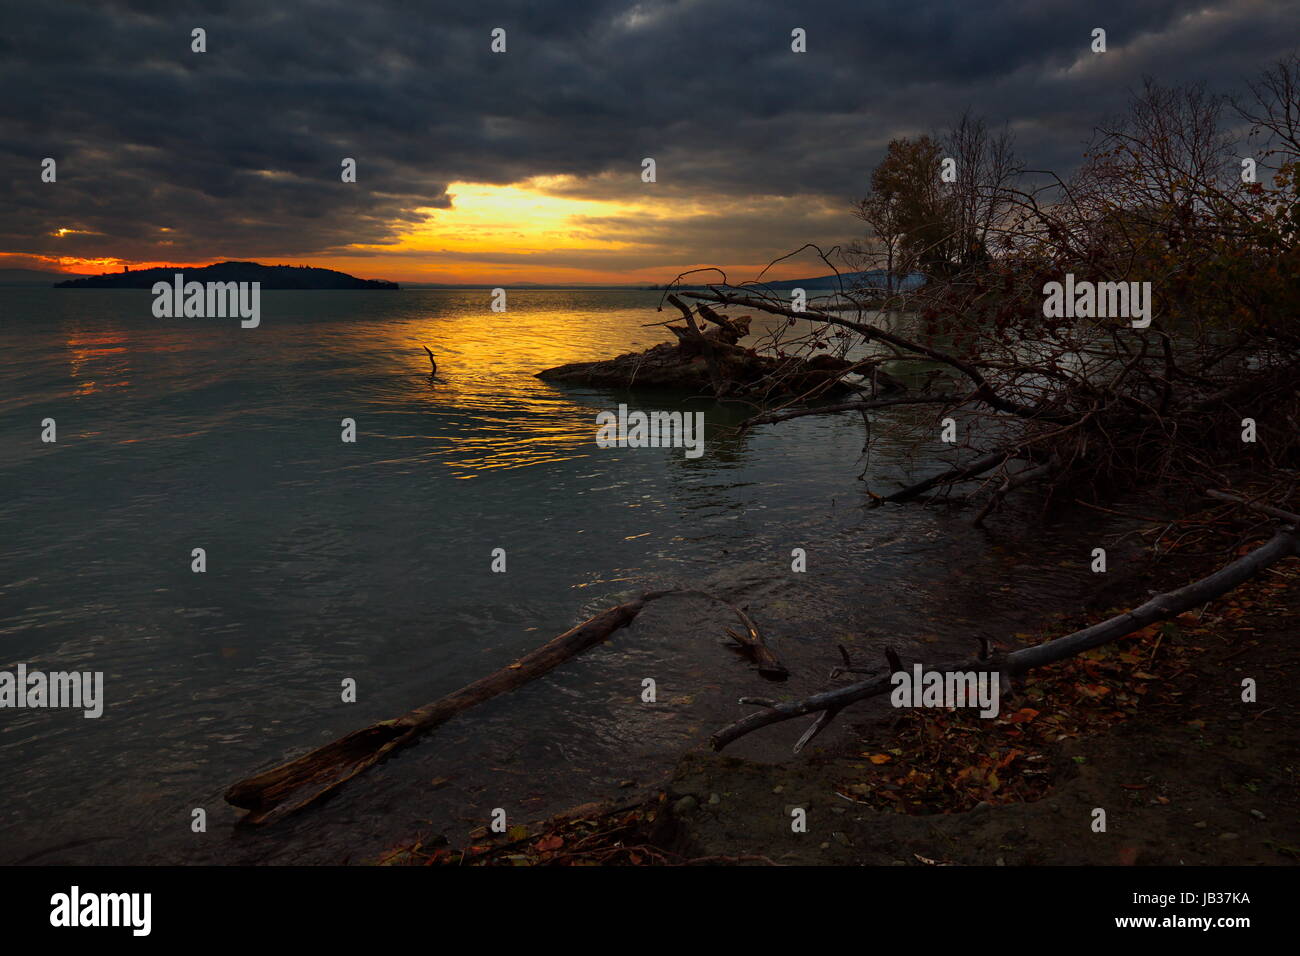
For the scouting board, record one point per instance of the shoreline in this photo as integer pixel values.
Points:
(1186, 774)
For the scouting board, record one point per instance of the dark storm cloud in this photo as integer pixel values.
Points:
(236, 152)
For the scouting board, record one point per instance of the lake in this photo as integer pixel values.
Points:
(372, 561)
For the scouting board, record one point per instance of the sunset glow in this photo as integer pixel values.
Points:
(537, 231)
(513, 233)
(76, 265)
(540, 230)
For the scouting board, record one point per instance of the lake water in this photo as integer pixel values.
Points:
(372, 561)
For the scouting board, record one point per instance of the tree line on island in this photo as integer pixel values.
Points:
(270, 277)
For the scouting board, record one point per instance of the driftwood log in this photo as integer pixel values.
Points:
(290, 787)
(712, 360)
(828, 704)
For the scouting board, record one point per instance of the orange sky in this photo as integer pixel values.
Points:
(532, 231)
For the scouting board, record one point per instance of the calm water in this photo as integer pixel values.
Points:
(372, 560)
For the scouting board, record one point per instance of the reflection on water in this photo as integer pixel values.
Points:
(98, 361)
(328, 560)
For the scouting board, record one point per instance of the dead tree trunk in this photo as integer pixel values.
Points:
(702, 342)
(292, 786)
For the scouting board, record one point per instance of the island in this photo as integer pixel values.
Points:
(270, 277)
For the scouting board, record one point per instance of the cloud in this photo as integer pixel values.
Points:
(165, 154)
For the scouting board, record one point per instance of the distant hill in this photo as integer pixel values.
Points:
(271, 277)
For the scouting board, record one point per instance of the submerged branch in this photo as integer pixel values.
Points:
(953, 475)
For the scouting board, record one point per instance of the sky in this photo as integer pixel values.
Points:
(526, 165)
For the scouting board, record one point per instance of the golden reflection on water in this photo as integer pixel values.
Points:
(487, 411)
(96, 358)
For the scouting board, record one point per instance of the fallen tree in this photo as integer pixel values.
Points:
(828, 704)
(1076, 412)
(290, 787)
(713, 361)
(1126, 325)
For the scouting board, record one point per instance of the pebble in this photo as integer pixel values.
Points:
(1200, 824)
(778, 789)
(714, 799)
(1227, 836)
(1257, 815)
(685, 805)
